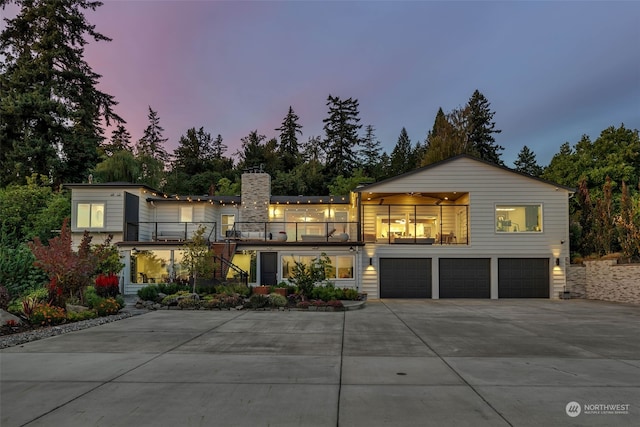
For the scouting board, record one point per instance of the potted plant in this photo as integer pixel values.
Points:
(260, 290)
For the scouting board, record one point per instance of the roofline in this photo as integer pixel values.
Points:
(111, 185)
(465, 156)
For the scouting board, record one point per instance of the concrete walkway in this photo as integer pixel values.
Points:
(393, 363)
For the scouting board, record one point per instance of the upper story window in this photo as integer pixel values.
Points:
(186, 213)
(90, 215)
(519, 218)
(227, 223)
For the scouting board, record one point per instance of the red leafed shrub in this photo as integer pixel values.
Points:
(107, 285)
(69, 271)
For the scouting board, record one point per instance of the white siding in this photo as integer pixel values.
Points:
(487, 186)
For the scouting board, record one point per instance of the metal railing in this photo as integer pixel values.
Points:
(172, 231)
(327, 232)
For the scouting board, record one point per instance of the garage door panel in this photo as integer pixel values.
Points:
(405, 277)
(465, 278)
(523, 278)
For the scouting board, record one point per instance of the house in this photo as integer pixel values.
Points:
(459, 228)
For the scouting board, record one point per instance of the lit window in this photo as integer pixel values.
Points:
(186, 214)
(90, 215)
(227, 223)
(518, 218)
(341, 266)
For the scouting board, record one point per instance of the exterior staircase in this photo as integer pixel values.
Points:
(223, 255)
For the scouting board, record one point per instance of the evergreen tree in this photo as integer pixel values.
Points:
(152, 142)
(402, 155)
(562, 168)
(151, 153)
(449, 137)
(341, 135)
(370, 152)
(219, 148)
(195, 152)
(50, 108)
(526, 162)
(289, 149)
(252, 154)
(481, 129)
(120, 141)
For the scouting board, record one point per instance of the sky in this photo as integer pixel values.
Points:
(552, 71)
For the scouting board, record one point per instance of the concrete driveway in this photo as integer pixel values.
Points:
(394, 363)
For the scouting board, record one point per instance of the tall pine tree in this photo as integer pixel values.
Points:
(402, 155)
(481, 129)
(526, 162)
(341, 136)
(289, 149)
(50, 109)
(370, 153)
(151, 153)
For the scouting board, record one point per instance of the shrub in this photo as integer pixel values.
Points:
(173, 298)
(120, 300)
(349, 294)
(258, 301)
(336, 304)
(73, 316)
(231, 301)
(327, 292)
(148, 293)
(32, 300)
(303, 304)
(171, 288)
(277, 300)
(4, 298)
(191, 303)
(17, 271)
(210, 303)
(107, 285)
(46, 314)
(91, 297)
(107, 306)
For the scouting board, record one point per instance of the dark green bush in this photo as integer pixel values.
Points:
(277, 300)
(349, 294)
(258, 301)
(149, 293)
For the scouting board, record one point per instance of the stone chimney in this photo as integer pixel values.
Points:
(256, 194)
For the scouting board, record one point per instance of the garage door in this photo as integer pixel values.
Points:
(465, 278)
(405, 277)
(523, 278)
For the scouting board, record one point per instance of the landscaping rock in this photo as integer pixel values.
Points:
(76, 308)
(5, 316)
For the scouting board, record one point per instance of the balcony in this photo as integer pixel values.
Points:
(167, 231)
(317, 232)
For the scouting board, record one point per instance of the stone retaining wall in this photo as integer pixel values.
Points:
(605, 280)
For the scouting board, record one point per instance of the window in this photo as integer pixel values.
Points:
(90, 215)
(227, 224)
(341, 266)
(151, 266)
(186, 214)
(518, 218)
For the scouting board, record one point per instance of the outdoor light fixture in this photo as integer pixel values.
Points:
(351, 249)
(558, 261)
(370, 261)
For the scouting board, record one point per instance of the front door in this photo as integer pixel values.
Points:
(268, 268)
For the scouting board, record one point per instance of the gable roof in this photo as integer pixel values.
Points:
(370, 187)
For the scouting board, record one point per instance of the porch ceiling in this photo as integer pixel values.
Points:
(413, 198)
